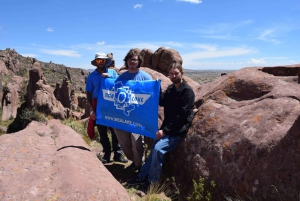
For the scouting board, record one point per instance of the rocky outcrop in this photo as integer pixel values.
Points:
(50, 161)
(11, 60)
(82, 103)
(3, 69)
(45, 102)
(245, 136)
(62, 93)
(17, 64)
(10, 99)
(35, 74)
(146, 54)
(40, 95)
(74, 100)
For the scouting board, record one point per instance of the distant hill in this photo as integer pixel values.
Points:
(204, 76)
(16, 64)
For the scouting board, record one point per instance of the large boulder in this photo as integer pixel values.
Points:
(245, 136)
(50, 161)
(146, 55)
(156, 57)
(10, 99)
(62, 93)
(35, 74)
(162, 58)
(45, 101)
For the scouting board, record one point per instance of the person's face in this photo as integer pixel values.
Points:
(133, 63)
(175, 75)
(100, 64)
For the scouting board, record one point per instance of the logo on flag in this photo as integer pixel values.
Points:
(123, 97)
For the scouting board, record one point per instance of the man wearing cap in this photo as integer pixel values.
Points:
(93, 84)
(132, 143)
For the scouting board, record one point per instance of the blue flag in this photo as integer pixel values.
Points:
(129, 105)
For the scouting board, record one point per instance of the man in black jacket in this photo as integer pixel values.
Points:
(178, 101)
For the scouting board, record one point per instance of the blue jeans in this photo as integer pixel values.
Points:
(153, 166)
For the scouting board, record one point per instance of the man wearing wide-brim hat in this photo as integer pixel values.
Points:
(93, 85)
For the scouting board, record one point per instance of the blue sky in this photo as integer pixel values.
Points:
(208, 34)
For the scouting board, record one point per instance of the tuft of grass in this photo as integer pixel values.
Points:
(160, 192)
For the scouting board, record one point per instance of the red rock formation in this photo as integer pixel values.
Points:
(156, 57)
(3, 69)
(146, 54)
(10, 100)
(35, 74)
(62, 93)
(245, 136)
(45, 101)
(51, 161)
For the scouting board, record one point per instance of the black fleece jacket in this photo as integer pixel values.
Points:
(178, 109)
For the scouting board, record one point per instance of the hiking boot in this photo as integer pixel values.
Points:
(135, 181)
(105, 159)
(134, 168)
(120, 159)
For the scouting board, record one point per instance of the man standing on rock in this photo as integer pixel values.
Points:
(93, 84)
(132, 143)
(178, 101)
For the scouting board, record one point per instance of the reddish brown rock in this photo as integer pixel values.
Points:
(146, 55)
(11, 60)
(245, 136)
(52, 162)
(10, 100)
(168, 57)
(163, 58)
(62, 93)
(3, 69)
(45, 101)
(156, 57)
(35, 74)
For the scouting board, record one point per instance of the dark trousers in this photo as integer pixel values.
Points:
(104, 140)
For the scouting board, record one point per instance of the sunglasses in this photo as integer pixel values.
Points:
(100, 60)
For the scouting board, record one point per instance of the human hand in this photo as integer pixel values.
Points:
(92, 115)
(159, 134)
(104, 74)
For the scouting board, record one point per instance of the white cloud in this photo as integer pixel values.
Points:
(292, 62)
(205, 47)
(256, 61)
(174, 44)
(138, 6)
(225, 31)
(268, 36)
(191, 1)
(68, 53)
(101, 43)
(50, 29)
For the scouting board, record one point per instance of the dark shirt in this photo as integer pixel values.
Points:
(178, 109)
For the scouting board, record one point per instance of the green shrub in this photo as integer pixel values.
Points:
(201, 192)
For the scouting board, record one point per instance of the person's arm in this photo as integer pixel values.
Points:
(90, 102)
(183, 111)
